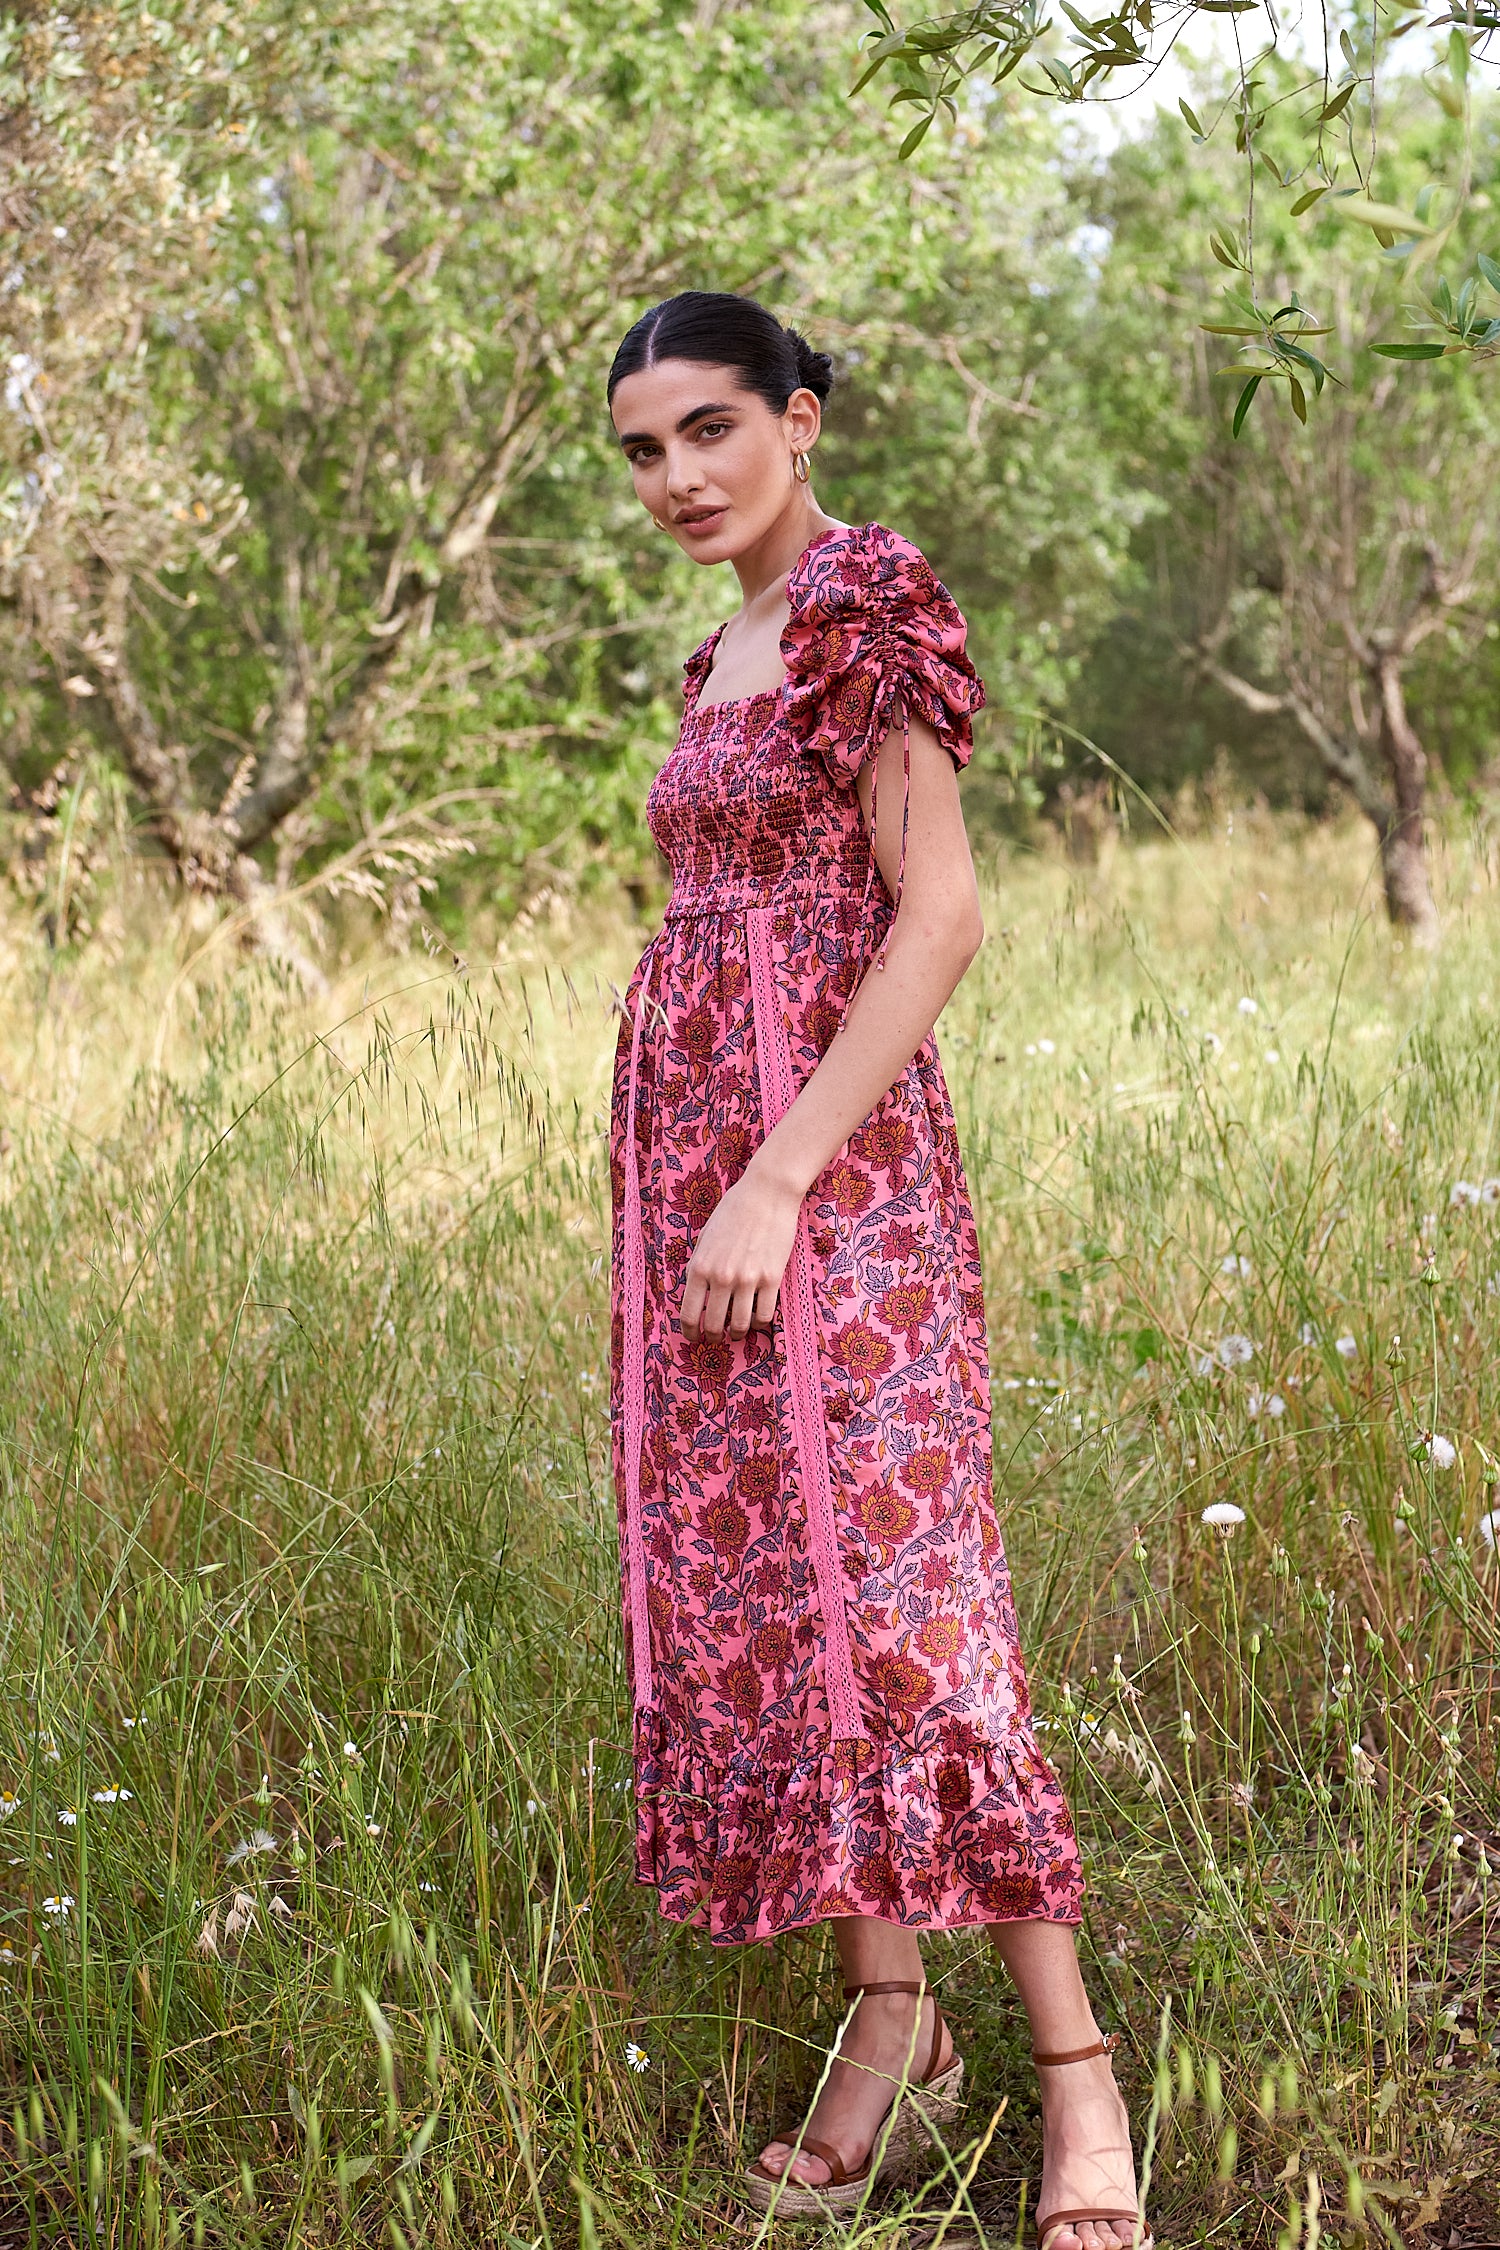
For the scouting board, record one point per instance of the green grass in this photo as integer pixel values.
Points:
(303, 1330)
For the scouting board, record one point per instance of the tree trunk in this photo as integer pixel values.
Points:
(1403, 845)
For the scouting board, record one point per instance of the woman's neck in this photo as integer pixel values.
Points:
(765, 565)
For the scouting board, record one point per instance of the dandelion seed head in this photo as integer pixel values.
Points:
(1441, 1452)
(1347, 1347)
(1273, 1055)
(1240, 1267)
(1464, 1195)
(1490, 1192)
(1249, 1007)
(258, 1840)
(1489, 1527)
(1046, 1046)
(1223, 1515)
(1235, 1351)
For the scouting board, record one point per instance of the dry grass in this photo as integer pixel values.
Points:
(303, 1446)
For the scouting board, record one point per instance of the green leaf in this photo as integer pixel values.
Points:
(917, 135)
(1339, 103)
(1409, 351)
(1192, 122)
(1227, 328)
(1224, 256)
(1346, 48)
(1489, 269)
(1458, 56)
(1247, 399)
(1299, 402)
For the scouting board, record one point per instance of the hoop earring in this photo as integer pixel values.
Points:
(802, 468)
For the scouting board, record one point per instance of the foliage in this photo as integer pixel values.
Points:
(310, 1590)
(312, 527)
(935, 59)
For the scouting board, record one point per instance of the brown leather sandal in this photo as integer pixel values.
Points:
(925, 2107)
(1135, 2220)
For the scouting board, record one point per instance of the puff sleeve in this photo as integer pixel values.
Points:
(873, 635)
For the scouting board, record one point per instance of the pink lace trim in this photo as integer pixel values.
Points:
(800, 1342)
(635, 1374)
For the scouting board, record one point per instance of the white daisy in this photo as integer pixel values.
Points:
(114, 1795)
(9, 1803)
(67, 1817)
(59, 1906)
(636, 2056)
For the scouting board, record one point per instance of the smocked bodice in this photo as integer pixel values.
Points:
(746, 817)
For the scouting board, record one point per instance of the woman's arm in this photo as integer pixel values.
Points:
(735, 1272)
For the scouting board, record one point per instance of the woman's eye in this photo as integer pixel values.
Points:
(712, 429)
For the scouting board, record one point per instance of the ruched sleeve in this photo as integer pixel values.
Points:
(873, 632)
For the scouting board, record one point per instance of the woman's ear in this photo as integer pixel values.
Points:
(803, 420)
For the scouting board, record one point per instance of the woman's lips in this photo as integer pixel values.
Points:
(696, 527)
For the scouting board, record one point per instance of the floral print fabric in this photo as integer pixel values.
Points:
(852, 1443)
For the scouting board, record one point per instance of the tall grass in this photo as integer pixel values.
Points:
(314, 1731)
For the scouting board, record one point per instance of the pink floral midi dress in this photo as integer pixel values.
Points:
(831, 1713)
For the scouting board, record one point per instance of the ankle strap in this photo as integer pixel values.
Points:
(1104, 2046)
(856, 1991)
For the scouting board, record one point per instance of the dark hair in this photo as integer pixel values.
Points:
(724, 331)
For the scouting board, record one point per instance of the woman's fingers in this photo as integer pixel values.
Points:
(714, 1310)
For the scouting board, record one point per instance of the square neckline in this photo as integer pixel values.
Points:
(698, 707)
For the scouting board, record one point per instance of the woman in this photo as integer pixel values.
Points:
(831, 1718)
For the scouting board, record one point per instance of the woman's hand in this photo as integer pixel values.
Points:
(734, 1275)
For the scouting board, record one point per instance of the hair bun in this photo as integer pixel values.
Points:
(814, 369)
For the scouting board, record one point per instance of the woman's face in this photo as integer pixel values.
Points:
(710, 458)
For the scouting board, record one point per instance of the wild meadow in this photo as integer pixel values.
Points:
(317, 1920)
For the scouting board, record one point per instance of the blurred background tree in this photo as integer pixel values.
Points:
(318, 570)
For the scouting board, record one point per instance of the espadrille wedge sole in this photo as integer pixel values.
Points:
(926, 2109)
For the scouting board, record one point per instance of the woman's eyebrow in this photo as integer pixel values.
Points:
(644, 437)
